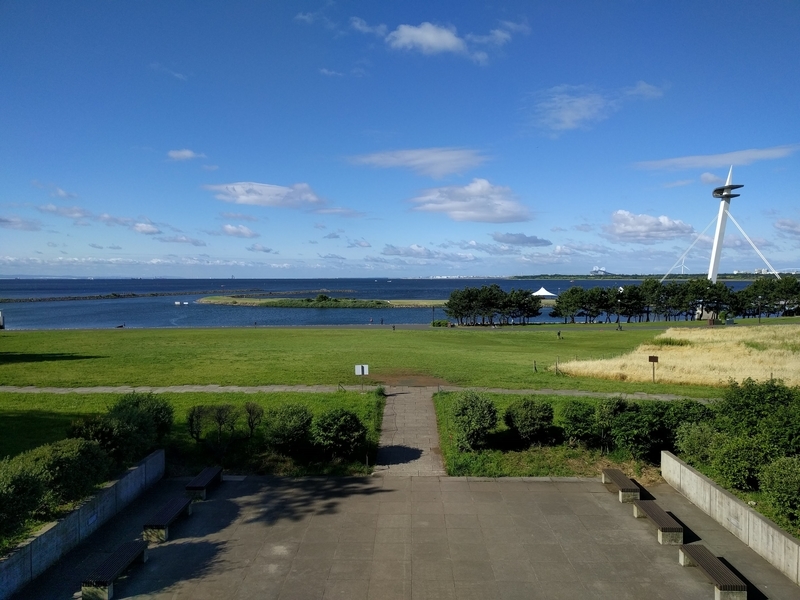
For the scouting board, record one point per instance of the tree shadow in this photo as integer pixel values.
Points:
(397, 455)
(29, 357)
(25, 430)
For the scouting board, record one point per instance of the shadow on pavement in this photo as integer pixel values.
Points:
(397, 455)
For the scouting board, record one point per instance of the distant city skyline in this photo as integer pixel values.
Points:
(330, 139)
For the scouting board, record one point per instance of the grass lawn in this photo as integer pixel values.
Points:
(469, 357)
(504, 458)
(30, 420)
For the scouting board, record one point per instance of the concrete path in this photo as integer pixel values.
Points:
(409, 440)
(409, 538)
(254, 389)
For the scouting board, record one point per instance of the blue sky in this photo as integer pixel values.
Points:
(361, 139)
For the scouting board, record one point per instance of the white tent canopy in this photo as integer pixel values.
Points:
(544, 293)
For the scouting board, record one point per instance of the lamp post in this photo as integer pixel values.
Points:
(759, 310)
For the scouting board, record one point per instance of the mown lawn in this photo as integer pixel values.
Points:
(468, 357)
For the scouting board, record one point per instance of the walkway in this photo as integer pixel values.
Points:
(409, 440)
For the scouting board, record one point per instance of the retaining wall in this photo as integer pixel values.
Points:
(762, 535)
(55, 539)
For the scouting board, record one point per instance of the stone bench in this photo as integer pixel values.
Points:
(156, 528)
(670, 532)
(208, 478)
(99, 585)
(628, 491)
(727, 586)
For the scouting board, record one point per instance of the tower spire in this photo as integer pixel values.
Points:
(725, 195)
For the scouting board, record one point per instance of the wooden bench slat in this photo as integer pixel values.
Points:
(205, 478)
(620, 480)
(168, 513)
(720, 575)
(113, 566)
(658, 516)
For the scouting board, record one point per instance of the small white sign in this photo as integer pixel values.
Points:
(362, 369)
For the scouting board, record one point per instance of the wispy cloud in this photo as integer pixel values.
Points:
(788, 226)
(60, 193)
(475, 246)
(68, 212)
(520, 239)
(362, 243)
(710, 179)
(433, 162)
(567, 107)
(146, 228)
(679, 183)
(185, 154)
(115, 247)
(331, 256)
(239, 231)
(181, 239)
(96, 246)
(162, 69)
(644, 229)
(331, 236)
(260, 248)
(479, 201)
(716, 161)
(418, 252)
(362, 26)
(299, 195)
(238, 216)
(19, 224)
(330, 73)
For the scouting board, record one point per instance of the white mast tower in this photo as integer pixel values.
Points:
(725, 195)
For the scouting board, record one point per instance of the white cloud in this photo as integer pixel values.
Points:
(146, 228)
(426, 38)
(516, 27)
(418, 252)
(711, 179)
(331, 236)
(159, 67)
(716, 161)
(111, 220)
(68, 212)
(520, 239)
(362, 243)
(789, 226)
(239, 231)
(362, 26)
(260, 248)
(496, 37)
(19, 224)
(479, 201)
(265, 194)
(493, 249)
(332, 256)
(567, 107)
(60, 193)
(238, 216)
(434, 162)
(679, 183)
(329, 73)
(644, 229)
(644, 90)
(184, 154)
(181, 239)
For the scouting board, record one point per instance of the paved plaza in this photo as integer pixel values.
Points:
(408, 532)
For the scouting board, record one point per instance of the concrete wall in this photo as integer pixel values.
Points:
(762, 535)
(55, 539)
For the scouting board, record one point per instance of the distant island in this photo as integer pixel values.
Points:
(321, 301)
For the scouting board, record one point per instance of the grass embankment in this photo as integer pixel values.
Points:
(709, 356)
(468, 357)
(30, 420)
(295, 302)
(503, 456)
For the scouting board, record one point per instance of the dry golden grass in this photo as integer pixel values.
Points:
(705, 357)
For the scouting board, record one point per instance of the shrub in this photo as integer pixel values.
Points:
(440, 323)
(474, 416)
(686, 411)
(694, 441)
(70, 468)
(530, 419)
(578, 421)
(604, 413)
(196, 420)
(254, 414)
(125, 437)
(744, 406)
(22, 492)
(339, 432)
(738, 460)
(289, 427)
(780, 482)
(640, 429)
(159, 411)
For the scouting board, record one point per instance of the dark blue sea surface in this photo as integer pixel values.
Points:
(162, 311)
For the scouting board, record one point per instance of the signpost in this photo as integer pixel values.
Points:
(362, 370)
(654, 360)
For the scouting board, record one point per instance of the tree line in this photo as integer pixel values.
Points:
(651, 300)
